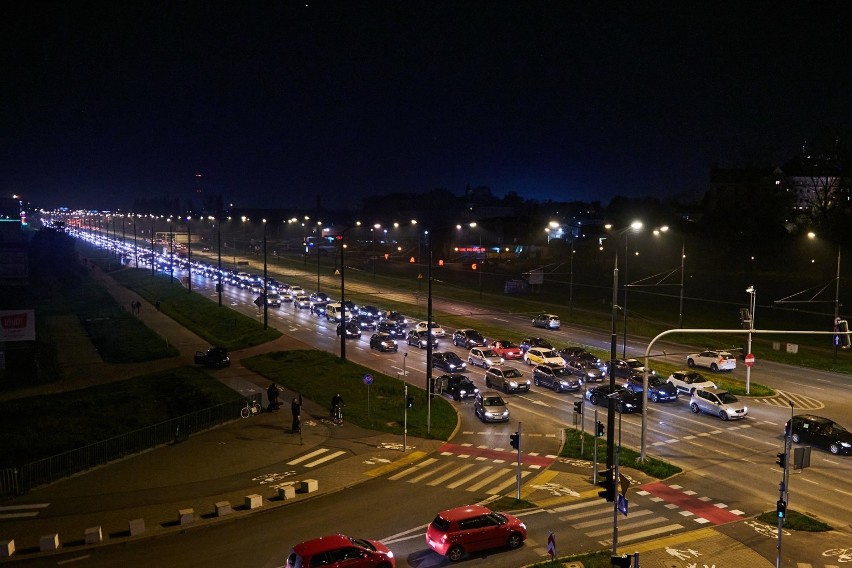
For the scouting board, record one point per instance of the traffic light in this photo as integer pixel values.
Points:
(621, 561)
(473, 266)
(515, 441)
(578, 407)
(781, 509)
(440, 262)
(600, 429)
(409, 402)
(782, 460)
(608, 484)
(843, 329)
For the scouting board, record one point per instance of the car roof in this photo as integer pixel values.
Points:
(321, 544)
(464, 512)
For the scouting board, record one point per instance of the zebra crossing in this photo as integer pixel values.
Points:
(472, 468)
(317, 457)
(655, 509)
(784, 399)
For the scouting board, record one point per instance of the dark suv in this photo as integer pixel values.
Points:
(819, 431)
(457, 386)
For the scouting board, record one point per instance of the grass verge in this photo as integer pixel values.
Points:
(71, 420)
(795, 521)
(627, 457)
(318, 375)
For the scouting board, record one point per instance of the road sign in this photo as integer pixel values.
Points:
(622, 504)
(624, 482)
(551, 545)
(368, 379)
(749, 360)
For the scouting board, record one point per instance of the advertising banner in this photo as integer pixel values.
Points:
(17, 325)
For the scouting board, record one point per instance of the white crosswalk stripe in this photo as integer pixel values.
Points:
(22, 511)
(318, 457)
(470, 476)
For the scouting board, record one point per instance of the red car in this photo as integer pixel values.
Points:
(507, 350)
(340, 550)
(455, 532)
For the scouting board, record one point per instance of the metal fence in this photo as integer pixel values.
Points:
(17, 481)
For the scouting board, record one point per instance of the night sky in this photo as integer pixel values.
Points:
(276, 103)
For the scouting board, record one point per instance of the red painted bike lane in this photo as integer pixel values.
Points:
(703, 509)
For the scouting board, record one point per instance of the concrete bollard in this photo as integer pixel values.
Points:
(186, 516)
(48, 542)
(287, 492)
(309, 486)
(137, 526)
(223, 508)
(93, 535)
(7, 548)
(254, 501)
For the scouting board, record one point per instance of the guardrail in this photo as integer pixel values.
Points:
(17, 481)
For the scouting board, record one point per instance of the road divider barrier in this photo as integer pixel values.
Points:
(186, 516)
(93, 535)
(48, 542)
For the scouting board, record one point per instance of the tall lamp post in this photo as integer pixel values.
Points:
(219, 254)
(341, 239)
(659, 231)
(265, 278)
(189, 253)
(812, 235)
(752, 306)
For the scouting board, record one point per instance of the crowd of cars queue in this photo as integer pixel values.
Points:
(456, 532)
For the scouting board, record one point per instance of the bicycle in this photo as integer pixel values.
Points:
(251, 408)
(337, 415)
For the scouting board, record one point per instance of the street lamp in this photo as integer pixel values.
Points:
(751, 308)
(657, 232)
(812, 235)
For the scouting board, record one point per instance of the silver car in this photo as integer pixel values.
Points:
(484, 357)
(719, 403)
(489, 406)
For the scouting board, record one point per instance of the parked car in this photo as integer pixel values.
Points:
(349, 329)
(507, 379)
(468, 338)
(340, 550)
(437, 330)
(448, 361)
(458, 386)
(506, 349)
(556, 377)
(547, 321)
(215, 357)
(821, 432)
(489, 406)
(539, 355)
(391, 328)
(713, 360)
(688, 381)
(719, 403)
(585, 370)
(484, 357)
(421, 339)
(383, 342)
(625, 400)
(658, 389)
(456, 532)
(528, 342)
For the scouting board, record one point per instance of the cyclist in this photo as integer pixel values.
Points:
(336, 403)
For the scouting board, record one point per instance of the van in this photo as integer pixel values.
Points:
(333, 312)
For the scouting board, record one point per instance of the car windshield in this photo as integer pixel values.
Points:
(511, 373)
(492, 401)
(561, 371)
(634, 364)
(362, 543)
(452, 357)
(489, 353)
(655, 381)
(727, 398)
(498, 518)
(507, 344)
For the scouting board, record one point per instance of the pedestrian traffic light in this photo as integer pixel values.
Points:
(578, 407)
(781, 509)
(600, 429)
(409, 402)
(608, 484)
(440, 262)
(782, 460)
(473, 266)
(515, 441)
(843, 329)
(621, 561)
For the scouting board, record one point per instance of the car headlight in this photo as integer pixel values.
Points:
(513, 384)
(845, 444)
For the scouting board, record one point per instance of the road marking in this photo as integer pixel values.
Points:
(412, 469)
(468, 477)
(489, 479)
(325, 459)
(307, 456)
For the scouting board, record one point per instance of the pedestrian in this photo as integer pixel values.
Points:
(138, 307)
(158, 305)
(272, 395)
(296, 409)
(133, 307)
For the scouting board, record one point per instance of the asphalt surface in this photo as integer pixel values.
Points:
(178, 487)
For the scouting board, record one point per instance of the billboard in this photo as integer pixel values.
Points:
(17, 325)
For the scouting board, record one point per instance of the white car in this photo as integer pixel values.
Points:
(540, 355)
(719, 403)
(687, 381)
(437, 330)
(713, 360)
(484, 357)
